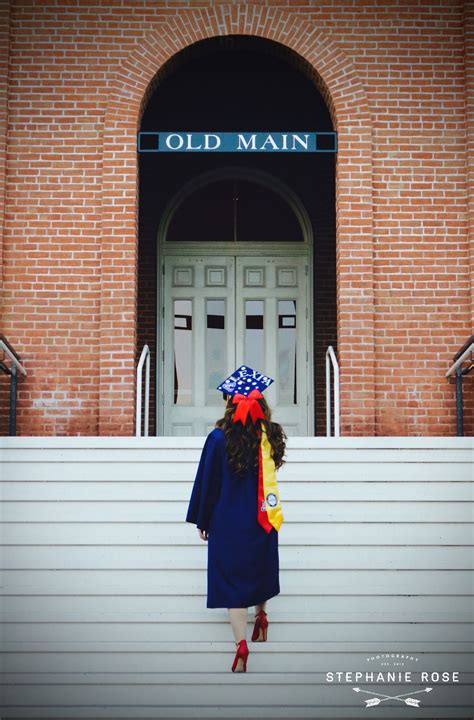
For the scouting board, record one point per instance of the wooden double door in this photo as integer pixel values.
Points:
(219, 312)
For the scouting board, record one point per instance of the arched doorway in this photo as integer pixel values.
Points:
(284, 250)
(235, 257)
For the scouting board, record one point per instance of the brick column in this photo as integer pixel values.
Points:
(469, 69)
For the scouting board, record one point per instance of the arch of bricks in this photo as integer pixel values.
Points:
(129, 90)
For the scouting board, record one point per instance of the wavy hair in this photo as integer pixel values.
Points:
(242, 441)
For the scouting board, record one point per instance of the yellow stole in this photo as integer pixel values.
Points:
(271, 498)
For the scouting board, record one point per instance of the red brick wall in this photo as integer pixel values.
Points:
(469, 70)
(394, 74)
(4, 58)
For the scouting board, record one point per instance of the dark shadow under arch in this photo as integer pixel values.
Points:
(283, 214)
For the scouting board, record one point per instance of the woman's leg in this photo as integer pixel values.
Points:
(260, 607)
(238, 620)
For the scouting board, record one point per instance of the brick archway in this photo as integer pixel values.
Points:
(336, 78)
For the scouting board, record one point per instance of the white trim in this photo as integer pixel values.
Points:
(392, 442)
(237, 248)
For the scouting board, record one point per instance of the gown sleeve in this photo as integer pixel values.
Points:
(206, 484)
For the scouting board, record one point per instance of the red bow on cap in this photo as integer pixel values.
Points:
(248, 404)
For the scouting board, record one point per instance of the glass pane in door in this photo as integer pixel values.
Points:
(216, 349)
(287, 352)
(183, 352)
(254, 334)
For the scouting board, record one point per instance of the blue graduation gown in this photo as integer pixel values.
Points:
(242, 558)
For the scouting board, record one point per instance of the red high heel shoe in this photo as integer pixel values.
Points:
(240, 660)
(260, 628)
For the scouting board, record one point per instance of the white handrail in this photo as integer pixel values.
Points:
(138, 420)
(462, 358)
(331, 358)
(12, 357)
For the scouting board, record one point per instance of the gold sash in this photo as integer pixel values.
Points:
(270, 487)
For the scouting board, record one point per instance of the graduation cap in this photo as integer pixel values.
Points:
(244, 380)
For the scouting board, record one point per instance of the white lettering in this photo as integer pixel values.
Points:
(180, 142)
(246, 143)
(206, 142)
(369, 677)
(435, 677)
(190, 146)
(284, 139)
(270, 140)
(303, 143)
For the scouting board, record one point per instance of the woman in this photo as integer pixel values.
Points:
(236, 507)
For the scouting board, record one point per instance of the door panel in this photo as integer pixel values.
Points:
(222, 312)
(198, 342)
(271, 327)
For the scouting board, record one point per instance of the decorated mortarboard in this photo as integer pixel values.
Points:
(244, 380)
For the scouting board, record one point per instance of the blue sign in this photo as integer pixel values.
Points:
(243, 142)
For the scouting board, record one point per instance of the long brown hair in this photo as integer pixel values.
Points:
(242, 441)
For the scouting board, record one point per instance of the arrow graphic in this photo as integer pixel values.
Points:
(403, 697)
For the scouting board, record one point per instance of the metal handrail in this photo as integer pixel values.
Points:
(138, 420)
(16, 365)
(331, 358)
(462, 355)
(465, 353)
(12, 354)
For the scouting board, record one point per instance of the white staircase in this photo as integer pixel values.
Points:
(104, 583)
